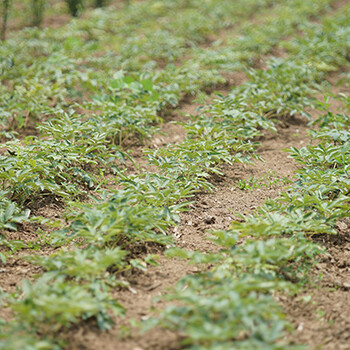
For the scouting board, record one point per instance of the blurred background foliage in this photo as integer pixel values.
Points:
(17, 14)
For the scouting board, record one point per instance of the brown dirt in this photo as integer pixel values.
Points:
(16, 270)
(338, 5)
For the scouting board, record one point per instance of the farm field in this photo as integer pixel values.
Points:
(175, 175)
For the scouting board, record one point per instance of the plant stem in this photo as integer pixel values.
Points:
(6, 6)
(100, 3)
(38, 10)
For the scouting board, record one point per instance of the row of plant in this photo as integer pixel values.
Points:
(45, 71)
(66, 163)
(254, 40)
(34, 166)
(103, 235)
(233, 304)
(51, 166)
(79, 278)
(42, 70)
(245, 52)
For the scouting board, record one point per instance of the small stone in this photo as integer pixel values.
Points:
(342, 226)
(300, 327)
(209, 220)
(342, 264)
